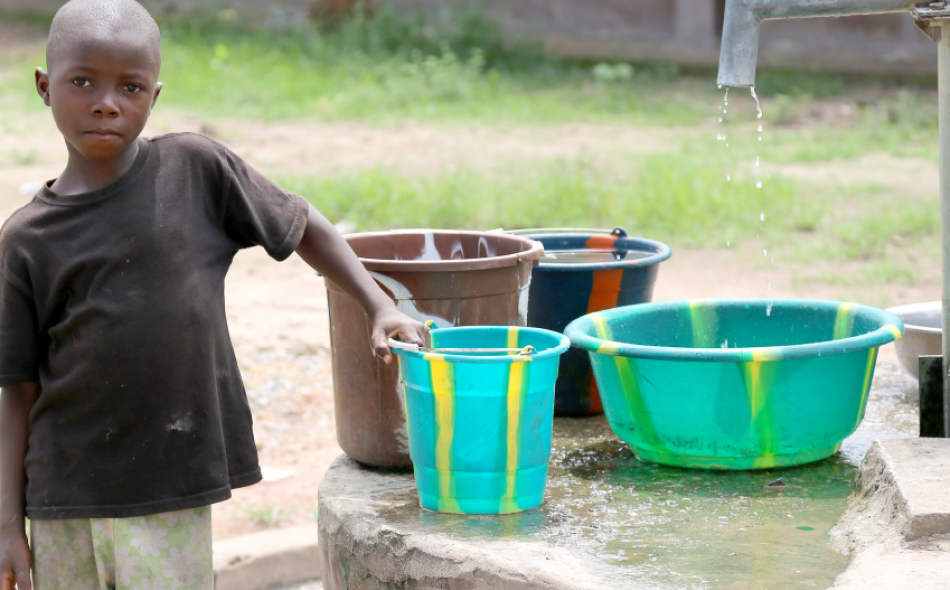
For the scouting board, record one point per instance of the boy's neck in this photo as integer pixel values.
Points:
(83, 175)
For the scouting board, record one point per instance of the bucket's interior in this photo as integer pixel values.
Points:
(493, 338)
(435, 245)
(923, 317)
(714, 324)
(592, 248)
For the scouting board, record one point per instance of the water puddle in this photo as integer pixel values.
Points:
(640, 525)
(695, 529)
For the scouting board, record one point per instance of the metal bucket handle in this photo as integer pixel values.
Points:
(617, 231)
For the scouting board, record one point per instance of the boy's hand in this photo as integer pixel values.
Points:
(392, 323)
(16, 560)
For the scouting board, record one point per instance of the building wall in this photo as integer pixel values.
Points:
(681, 31)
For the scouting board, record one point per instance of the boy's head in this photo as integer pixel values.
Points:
(103, 58)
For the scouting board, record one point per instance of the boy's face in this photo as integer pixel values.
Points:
(101, 91)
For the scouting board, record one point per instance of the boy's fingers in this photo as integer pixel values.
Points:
(8, 581)
(381, 345)
(412, 336)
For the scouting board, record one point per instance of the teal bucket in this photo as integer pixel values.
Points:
(480, 422)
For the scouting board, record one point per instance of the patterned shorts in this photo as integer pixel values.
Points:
(159, 552)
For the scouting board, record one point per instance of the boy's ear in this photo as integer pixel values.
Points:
(42, 84)
(158, 90)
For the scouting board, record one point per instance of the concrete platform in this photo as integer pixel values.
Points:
(613, 522)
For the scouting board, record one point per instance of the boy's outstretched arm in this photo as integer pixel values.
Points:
(15, 557)
(327, 252)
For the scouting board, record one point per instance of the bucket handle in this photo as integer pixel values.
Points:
(617, 231)
(393, 343)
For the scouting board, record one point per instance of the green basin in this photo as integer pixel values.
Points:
(735, 383)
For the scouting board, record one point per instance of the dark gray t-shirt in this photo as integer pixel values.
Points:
(113, 301)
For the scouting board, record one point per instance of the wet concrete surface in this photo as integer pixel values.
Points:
(626, 523)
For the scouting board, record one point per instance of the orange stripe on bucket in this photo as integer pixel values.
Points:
(601, 242)
(603, 295)
(605, 291)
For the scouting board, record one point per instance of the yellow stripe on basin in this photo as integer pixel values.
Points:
(894, 330)
(844, 321)
(443, 388)
(868, 373)
(762, 355)
(704, 321)
(757, 376)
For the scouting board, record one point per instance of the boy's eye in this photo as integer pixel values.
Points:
(82, 82)
(132, 88)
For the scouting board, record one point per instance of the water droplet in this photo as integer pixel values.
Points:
(728, 177)
(768, 284)
(760, 138)
(758, 107)
(728, 243)
(727, 144)
(768, 309)
(719, 86)
(762, 216)
(725, 110)
(765, 252)
(757, 161)
(759, 185)
(720, 119)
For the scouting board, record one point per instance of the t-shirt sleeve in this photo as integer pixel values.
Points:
(19, 334)
(258, 212)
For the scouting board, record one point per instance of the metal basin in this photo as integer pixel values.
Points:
(922, 333)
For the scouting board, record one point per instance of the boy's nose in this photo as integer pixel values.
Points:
(106, 106)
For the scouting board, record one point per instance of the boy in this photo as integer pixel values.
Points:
(123, 415)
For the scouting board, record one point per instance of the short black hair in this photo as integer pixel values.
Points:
(98, 18)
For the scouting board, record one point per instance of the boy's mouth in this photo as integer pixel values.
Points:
(103, 133)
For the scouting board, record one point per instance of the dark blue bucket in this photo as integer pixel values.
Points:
(584, 271)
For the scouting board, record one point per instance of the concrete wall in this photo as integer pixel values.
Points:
(682, 31)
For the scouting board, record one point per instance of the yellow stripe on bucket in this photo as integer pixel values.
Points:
(515, 380)
(515, 387)
(443, 388)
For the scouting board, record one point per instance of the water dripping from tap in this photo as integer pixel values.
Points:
(758, 106)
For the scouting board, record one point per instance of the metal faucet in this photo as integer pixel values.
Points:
(740, 41)
(740, 30)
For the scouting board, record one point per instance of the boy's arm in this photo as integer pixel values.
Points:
(327, 252)
(15, 557)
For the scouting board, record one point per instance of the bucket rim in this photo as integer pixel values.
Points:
(890, 329)
(546, 353)
(660, 250)
(910, 326)
(533, 252)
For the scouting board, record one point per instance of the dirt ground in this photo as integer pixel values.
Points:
(278, 312)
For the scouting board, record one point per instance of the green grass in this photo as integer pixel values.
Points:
(388, 70)
(684, 199)
(391, 68)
